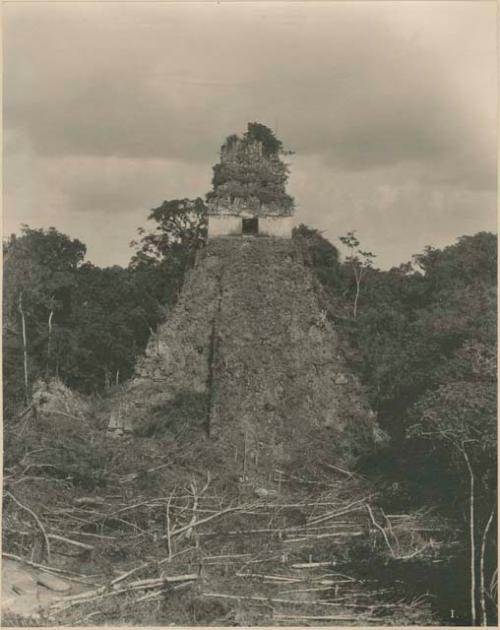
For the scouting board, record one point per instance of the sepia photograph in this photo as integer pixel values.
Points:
(249, 315)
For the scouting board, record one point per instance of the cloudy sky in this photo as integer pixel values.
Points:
(390, 107)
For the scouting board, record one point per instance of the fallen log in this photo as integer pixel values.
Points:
(306, 590)
(70, 541)
(269, 600)
(318, 536)
(277, 578)
(127, 574)
(68, 575)
(180, 530)
(35, 517)
(102, 592)
(313, 565)
(91, 535)
(316, 617)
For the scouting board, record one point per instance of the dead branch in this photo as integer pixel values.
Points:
(341, 470)
(228, 555)
(45, 567)
(391, 531)
(272, 578)
(70, 541)
(306, 590)
(270, 600)
(196, 495)
(167, 525)
(318, 536)
(414, 554)
(61, 573)
(351, 507)
(175, 555)
(201, 521)
(127, 574)
(306, 529)
(158, 594)
(91, 535)
(316, 617)
(38, 521)
(302, 505)
(90, 596)
(89, 501)
(380, 528)
(312, 565)
(164, 579)
(152, 595)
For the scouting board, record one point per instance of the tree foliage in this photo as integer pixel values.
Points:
(426, 341)
(424, 344)
(270, 143)
(181, 226)
(39, 275)
(85, 324)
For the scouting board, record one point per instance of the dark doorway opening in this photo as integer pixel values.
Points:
(250, 226)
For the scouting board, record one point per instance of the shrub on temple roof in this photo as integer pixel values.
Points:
(270, 144)
(250, 170)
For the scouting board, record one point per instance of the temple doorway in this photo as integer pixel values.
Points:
(250, 226)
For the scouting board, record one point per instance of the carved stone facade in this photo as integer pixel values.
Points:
(249, 183)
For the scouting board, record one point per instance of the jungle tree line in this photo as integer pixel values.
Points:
(65, 317)
(423, 338)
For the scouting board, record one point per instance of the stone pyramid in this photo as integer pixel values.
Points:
(249, 344)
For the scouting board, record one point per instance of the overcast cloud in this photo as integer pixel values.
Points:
(390, 108)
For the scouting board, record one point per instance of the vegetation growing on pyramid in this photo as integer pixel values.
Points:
(251, 174)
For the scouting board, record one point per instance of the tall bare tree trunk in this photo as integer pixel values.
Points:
(107, 382)
(49, 339)
(355, 307)
(25, 349)
(484, 614)
(358, 275)
(472, 533)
